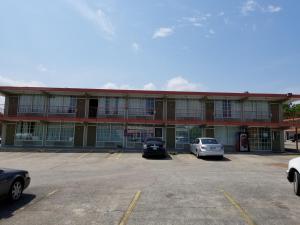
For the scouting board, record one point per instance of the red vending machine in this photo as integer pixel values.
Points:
(242, 142)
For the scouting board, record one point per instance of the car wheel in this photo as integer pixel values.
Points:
(297, 183)
(16, 190)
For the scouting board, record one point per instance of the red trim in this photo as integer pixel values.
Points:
(145, 121)
(146, 92)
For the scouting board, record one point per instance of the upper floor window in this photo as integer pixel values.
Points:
(257, 110)
(227, 109)
(111, 106)
(141, 106)
(189, 108)
(62, 104)
(31, 104)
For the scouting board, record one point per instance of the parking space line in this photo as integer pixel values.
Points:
(130, 208)
(82, 155)
(34, 202)
(243, 212)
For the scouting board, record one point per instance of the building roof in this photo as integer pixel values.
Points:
(10, 90)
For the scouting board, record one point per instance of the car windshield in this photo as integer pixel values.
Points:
(153, 139)
(208, 141)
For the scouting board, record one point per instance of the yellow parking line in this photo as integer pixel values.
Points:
(51, 193)
(243, 212)
(82, 155)
(130, 209)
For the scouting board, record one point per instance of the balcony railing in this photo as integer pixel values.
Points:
(132, 113)
(221, 115)
(182, 114)
(142, 113)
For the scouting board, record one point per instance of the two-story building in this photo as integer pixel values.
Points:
(104, 119)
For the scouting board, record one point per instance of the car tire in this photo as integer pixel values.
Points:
(16, 190)
(297, 183)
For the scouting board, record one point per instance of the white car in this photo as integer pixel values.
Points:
(293, 174)
(207, 147)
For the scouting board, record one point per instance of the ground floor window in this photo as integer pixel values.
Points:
(185, 134)
(109, 135)
(29, 133)
(226, 135)
(260, 138)
(60, 134)
(136, 135)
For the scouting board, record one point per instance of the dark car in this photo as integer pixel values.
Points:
(295, 138)
(154, 146)
(13, 182)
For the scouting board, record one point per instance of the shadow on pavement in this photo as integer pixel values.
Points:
(7, 207)
(215, 158)
(168, 157)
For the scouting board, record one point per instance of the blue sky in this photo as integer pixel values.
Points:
(235, 46)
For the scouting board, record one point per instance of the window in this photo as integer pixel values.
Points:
(256, 110)
(227, 109)
(260, 138)
(141, 107)
(62, 104)
(29, 133)
(31, 104)
(60, 134)
(182, 136)
(111, 106)
(109, 135)
(226, 135)
(189, 108)
(209, 141)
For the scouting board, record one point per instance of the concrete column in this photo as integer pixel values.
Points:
(85, 129)
(165, 108)
(44, 134)
(46, 107)
(86, 110)
(3, 133)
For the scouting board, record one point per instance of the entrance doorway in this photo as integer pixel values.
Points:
(93, 106)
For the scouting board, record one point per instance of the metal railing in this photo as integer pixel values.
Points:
(182, 114)
(140, 113)
(137, 113)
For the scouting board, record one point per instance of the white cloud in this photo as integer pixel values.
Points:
(252, 6)
(249, 6)
(4, 81)
(180, 84)
(135, 47)
(273, 9)
(197, 20)
(42, 68)
(111, 85)
(174, 84)
(221, 14)
(149, 86)
(163, 32)
(96, 16)
(211, 31)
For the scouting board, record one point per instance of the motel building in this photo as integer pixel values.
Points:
(105, 119)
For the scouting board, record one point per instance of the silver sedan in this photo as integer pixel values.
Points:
(207, 147)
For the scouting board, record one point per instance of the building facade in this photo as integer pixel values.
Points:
(105, 119)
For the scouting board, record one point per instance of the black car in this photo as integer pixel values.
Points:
(154, 146)
(13, 182)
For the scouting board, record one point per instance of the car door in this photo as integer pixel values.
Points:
(3, 183)
(197, 145)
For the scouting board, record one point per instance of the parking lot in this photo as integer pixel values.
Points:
(124, 188)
